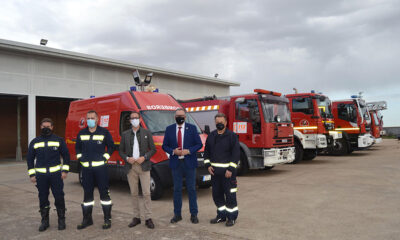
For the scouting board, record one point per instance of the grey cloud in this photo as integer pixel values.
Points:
(333, 46)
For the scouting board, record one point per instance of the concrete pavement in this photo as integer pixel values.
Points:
(350, 197)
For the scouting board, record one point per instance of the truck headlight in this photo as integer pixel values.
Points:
(269, 153)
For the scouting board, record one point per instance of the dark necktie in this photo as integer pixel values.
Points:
(179, 138)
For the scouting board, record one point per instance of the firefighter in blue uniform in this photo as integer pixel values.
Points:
(48, 172)
(94, 146)
(221, 154)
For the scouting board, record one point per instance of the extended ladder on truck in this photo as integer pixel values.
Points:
(381, 105)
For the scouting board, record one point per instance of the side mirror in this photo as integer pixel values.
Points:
(354, 115)
(207, 129)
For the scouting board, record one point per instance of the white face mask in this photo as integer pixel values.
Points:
(135, 122)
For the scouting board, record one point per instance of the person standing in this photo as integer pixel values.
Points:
(181, 142)
(94, 146)
(136, 148)
(48, 172)
(221, 154)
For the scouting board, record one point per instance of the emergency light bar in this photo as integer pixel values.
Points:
(267, 92)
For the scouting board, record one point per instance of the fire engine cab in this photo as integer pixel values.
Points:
(313, 124)
(353, 120)
(261, 121)
(157, 112)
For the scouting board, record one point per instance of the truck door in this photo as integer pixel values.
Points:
(247, 124)
(302, 112)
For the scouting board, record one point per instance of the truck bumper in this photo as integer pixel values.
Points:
(365, 140)
(275, 156)
(313, 141)
(336, 135)
(377, 140)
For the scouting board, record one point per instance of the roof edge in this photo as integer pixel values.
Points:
(58, 53)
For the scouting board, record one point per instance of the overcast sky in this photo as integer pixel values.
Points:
(336, 47)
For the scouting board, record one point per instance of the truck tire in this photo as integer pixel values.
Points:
(268, 167)
(205, 186)
(243, 166)
(309, 154)
(299, 151)
(341, 148)
(156, 188)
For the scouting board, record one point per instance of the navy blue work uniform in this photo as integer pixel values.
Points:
(47, 169)
(222, 152)
(93, 150)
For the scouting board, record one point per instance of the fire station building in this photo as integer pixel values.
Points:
(37, 81)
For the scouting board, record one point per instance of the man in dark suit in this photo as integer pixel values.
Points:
(136, 148)
(181, 142)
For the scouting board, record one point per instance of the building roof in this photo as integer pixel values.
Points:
(58, 53)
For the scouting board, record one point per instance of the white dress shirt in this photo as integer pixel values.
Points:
(135, 151)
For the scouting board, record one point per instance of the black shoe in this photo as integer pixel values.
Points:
(44, 212)
(135, 221)
(107, 216)
(176, 219)
(194, 219)
(149, 223)
(230, 223)
(87, 217)
(61, 218)
(217, 220)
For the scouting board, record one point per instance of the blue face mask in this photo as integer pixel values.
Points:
(91, 123)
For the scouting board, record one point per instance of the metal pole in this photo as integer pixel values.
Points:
(31, 117)
(18, 154)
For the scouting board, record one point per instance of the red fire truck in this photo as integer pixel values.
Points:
(313, 124)
(261, 121)
(374, 109)
(353, 120)
(157, 111)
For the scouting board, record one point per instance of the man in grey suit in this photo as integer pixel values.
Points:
(136, 148)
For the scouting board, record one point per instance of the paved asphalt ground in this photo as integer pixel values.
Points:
(350, 197)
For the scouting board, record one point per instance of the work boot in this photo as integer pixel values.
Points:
(87, 217)
(61, 218)
(230, 223)
(217, 220)
(44, 212)
(107, 216)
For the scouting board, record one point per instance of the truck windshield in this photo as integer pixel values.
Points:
(324, 106)
(364, 111)
(272, 109)
(158, 121)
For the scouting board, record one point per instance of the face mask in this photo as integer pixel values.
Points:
(46, 131)
(91, 123)
(135, 122)
(220, 126)
(180, 120)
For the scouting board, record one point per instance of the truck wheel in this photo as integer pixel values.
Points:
(341, 148)
(156, 187)
(298, 152)
(309, 154)
(205, 186)
(243, 166)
